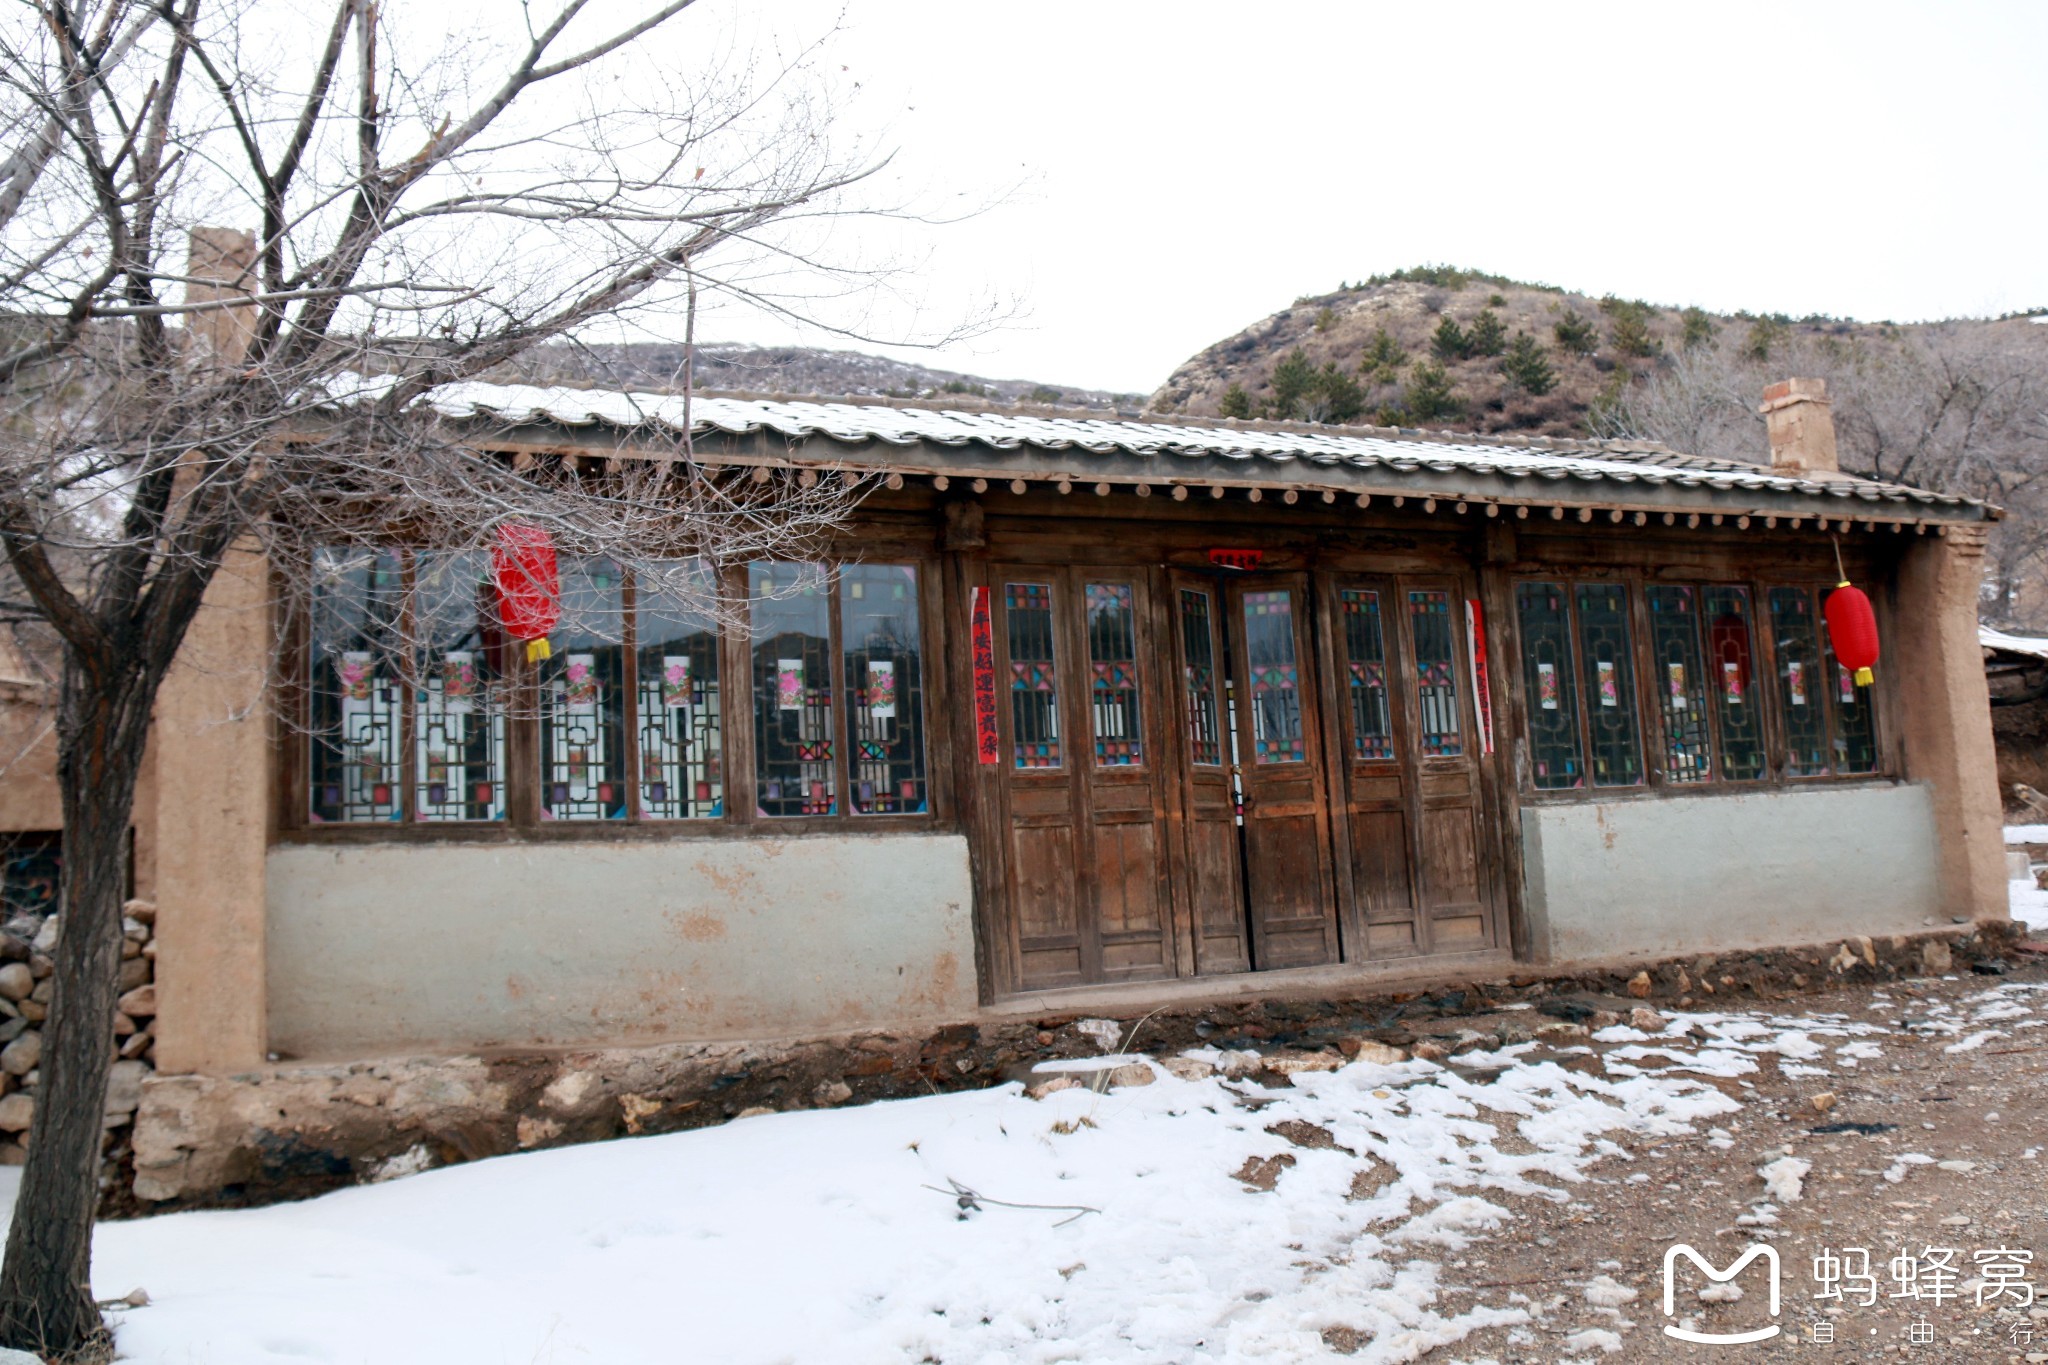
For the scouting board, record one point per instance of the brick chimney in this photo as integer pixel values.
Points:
(221, 264)
(1801, 425)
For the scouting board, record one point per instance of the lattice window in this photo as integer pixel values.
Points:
(1855, 714)
(1731, 668)
(1113, 690)
(1549, 681)
(791, 610)
(1034, 675)
(1278, 734)
(1365, 667)
(1607, 680)
(583, 697)
(458, 711)
(1198, 640)
(1681, 683)
(681, 735)
(1434, 631)
(885, 684)
(357, 693)
(1803, 681)
(31, 873)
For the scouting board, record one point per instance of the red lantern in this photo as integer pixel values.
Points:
(529, 585)
(1852, 629)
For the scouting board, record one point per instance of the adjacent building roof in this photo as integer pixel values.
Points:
(1038, 444)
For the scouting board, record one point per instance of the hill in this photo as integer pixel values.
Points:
(790, 369)
(1442, 347)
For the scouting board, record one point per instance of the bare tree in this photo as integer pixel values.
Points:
(1955, 407)
(422, 211)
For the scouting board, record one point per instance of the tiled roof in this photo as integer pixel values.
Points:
(1239, 451)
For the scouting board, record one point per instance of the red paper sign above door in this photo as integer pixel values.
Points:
(1242, 560)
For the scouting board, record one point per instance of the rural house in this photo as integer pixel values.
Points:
(1079, 714)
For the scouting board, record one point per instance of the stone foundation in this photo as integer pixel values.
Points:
(293, 1130)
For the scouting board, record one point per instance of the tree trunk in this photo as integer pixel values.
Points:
(46, 1300)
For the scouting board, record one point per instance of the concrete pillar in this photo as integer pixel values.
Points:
(1945, 713)
(214, 777)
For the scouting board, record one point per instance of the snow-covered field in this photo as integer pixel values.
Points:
(892, 1232)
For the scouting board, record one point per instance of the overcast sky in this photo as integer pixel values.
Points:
(1190, 167)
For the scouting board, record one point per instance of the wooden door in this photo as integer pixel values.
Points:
(1212, 857)
(1286, 832)
(1085, 878)
(1413, 830)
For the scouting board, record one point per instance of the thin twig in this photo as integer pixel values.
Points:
(973, 1199)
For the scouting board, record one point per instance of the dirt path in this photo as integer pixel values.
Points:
(1937, 1092)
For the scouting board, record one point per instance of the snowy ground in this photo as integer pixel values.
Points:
(1187, 1219)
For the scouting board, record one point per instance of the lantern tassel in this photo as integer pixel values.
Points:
(1864, 677)
(536, 650)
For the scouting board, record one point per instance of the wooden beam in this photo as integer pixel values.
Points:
(1018, 486)
(894, 481)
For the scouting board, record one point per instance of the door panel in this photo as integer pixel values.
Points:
(1378, 776)
(1286, 810)
(1086, 884)
(1215, 883)
(1456, 916)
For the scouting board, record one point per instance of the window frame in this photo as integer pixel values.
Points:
(1654, 737)
(293, 733)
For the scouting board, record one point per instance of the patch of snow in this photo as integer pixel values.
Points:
(1725, 1291)
(1604, 1291)
(1784, 1179)
(1593, 1339)
(2026, 834)
(1106, 1034)
(2029, 902)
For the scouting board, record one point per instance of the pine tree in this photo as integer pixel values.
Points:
(1630, 333)
(1450, 341)
(1335, 397)
(1487, 336)
(1429, 394)
(1235, 402)
(1699, 327)
(1575, 334)
(1292, 378)
(1764, 335)
(1383, 356)
(1527, 368)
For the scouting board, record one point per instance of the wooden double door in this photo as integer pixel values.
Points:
(1206, 774)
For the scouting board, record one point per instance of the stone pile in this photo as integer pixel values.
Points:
(28, 946)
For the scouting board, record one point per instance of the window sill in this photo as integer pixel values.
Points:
(1580, 796)
(603, 831)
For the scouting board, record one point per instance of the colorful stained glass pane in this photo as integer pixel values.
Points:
(458, 734)
(1607, 656)
(357, 692)
(1113, 694)
(682, 737)
(1795, 635)
(1433, 628)
(1682, 696)
(790, 610)
(1365, 654)
(1556, 760)
(1034, 677)
(1278, 734)
(1731, 662)
(1855, 714)
(583, 687)
(878, 630)
(1198, 641)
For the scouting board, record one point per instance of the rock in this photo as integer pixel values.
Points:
(570, 1090)
(1602, 1019)
(1935, 958)
(13, 1154)
(1843, 960)
(1639, 985)
(831, 1094)
(130, 948)
(1376, 1053)
(124, 1086)
(142, 911)
(45, 988)
(1236, 1062)
(33, 1012)
(1187, 1068)
(1292, 1063)
(123, 1026)
(46, 937)
(1106, 1034)
(135, 972)
(1559, 1032)
(1822, 1102)
(17, 1111)
(534, 1131)
(134, 930)
(138, 1044)
(13, 948)
(1647, 1020)
(140, 1003)
(136, 1298)
(1051, 1087)
(41, 965)
(1430, 1051)
(754, 1111)
(637, 1109)
(1865, 950)
(13, 1029)
(19, 1057)
(1132, 1073)
(16, 981)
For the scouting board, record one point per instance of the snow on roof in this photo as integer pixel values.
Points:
(1259, 449)
(2012, 644)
